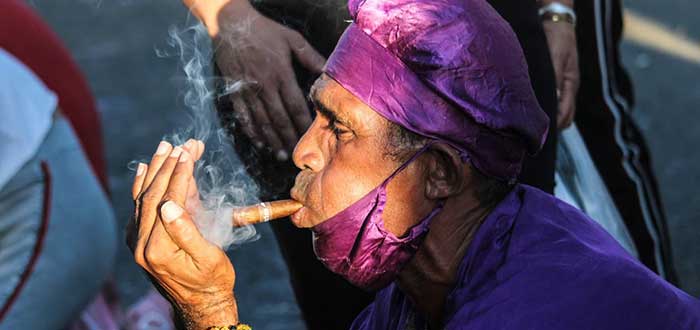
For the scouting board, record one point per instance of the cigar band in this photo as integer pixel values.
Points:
(265, 210)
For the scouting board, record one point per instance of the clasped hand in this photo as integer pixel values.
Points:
(194, 275)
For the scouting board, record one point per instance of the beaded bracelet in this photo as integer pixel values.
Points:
(240, 326)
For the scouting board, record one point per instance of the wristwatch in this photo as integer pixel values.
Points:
(557, 12)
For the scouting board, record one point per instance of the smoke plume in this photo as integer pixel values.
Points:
(221, 179)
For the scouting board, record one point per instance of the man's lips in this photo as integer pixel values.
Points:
(297, 217)
(298, 193)
(294, 193)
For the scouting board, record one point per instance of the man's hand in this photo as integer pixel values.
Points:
(271, 107)
(561, 37)
(195, 275)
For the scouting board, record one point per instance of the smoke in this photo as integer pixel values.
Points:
(222, 181)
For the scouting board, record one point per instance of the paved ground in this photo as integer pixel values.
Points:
(668, 100)
(140, 99)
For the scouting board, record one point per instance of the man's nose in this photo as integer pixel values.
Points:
(307, 153)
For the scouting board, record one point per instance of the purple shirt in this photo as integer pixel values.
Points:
(539, 263)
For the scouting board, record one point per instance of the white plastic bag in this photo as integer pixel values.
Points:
(579, 184)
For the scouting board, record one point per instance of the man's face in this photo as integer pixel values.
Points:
(342, 157)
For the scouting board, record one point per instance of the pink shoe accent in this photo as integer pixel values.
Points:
(97, 316)
(152, 312)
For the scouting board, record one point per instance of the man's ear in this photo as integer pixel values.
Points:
(446, 173)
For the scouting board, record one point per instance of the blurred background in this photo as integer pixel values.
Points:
(139, 97)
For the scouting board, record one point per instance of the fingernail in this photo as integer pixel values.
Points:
(190, 144)
(140, 169)
(282, 155)
(176, 152)
(170, 211)
(201, 144)
(185, 157)
(162, 148)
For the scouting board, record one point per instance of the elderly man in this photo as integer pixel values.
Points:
(425, 114)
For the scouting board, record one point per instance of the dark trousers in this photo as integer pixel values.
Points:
(614, 141)
(326, 300)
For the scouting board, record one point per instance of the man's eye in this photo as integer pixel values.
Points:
(336, 130)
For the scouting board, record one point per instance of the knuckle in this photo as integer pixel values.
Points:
(241, 116)
(160, 272)
(140, 260)
(170, 196)
(154, 257)
(150, 197)
(266, 128)
(296, 38)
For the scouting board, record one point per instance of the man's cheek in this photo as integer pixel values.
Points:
(339, 193)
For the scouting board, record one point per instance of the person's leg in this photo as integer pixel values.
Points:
(27, 37)
(57, 236)
(538, 171)
(616, 145)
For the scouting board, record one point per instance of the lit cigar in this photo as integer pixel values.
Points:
(264, 212)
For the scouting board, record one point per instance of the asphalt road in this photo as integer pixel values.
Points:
(140, 99)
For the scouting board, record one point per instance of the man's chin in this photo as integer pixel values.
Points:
(306, 218)
(300, 218)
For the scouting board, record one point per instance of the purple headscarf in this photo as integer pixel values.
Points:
(448, 70)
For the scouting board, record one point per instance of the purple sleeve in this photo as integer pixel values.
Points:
(595, 296)
(363, 321)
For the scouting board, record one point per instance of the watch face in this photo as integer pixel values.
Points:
(557, 12)
(555, 17)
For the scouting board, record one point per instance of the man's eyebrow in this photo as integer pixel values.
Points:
(325, 111)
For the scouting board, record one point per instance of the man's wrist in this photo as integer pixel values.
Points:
(215, 312)
(568, 3)
(209, 12)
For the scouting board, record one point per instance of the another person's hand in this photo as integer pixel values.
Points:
(195, 275)
(561, 37)
(271, 107)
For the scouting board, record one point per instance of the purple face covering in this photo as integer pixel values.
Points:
(355, 244)
(449, 70)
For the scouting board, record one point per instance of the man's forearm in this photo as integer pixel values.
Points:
(209, 12)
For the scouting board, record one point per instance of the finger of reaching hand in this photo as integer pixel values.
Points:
(245, 120)
(280, 120)
(558, 72)
(138, 180)
(264, 124)
(161, 154)
(295, 102)
(567, 104)
(184, 233)
(305, 53)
